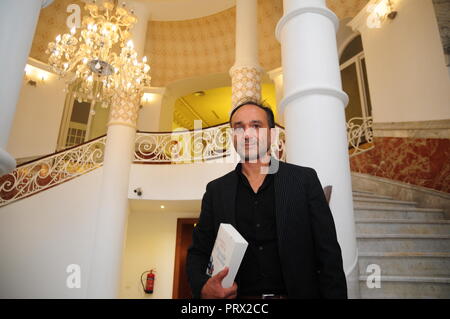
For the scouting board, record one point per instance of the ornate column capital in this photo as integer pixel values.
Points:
(245, 83)
(124, 112)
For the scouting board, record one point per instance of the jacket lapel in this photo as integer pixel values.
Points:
(281, 197)
(229, 198)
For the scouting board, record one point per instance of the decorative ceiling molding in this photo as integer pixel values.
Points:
(185, 122)
(195, 114)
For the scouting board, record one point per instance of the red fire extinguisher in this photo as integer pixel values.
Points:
(149, 282)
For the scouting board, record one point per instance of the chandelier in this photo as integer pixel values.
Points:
(99, 63)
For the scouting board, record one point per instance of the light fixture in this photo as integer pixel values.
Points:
(99, 61)
(148, 97)
(34, 75)
(162, 206)
(199, 93)
(379, 12)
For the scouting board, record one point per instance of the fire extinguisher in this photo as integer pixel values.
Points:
(148, 288)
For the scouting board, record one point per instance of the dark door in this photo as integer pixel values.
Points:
(181, 289)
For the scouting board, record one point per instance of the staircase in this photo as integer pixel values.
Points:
(411, 246)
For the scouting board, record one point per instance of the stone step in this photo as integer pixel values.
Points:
(370, 195)
(411, 263)
(377, 202)
(362, 192)
(366, 211)
(402, 243)
(402, 226)
(395, 287)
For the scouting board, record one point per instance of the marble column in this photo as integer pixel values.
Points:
(18, 20)
(314, 113)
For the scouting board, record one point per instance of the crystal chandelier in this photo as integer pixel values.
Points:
(99, 62)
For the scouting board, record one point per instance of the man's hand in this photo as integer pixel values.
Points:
(213, 287)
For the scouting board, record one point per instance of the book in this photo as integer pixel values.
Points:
(228, 251)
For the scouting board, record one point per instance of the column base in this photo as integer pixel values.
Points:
(353, 282)
(7, 162)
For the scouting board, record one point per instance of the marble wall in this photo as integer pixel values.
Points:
(408, 156)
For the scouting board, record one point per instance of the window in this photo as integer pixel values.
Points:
(354, 80)
(82, 121)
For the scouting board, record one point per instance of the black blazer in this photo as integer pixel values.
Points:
(310, 254)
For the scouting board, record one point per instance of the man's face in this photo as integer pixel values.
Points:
(251, 132)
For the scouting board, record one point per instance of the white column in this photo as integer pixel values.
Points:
(106, 259)
(313, 108)
(139, 31)
(246, 71)
(18, 20)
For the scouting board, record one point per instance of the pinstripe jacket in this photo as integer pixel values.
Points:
(310, 254)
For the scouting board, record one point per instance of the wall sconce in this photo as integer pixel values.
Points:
(148, 98)
(34, 75)
(380, 12)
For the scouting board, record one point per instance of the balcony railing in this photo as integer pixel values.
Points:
(40, 174)
(153, 148)
(359, 135)
(193, 146)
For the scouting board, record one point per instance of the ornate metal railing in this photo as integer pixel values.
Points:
(183, 146)
(170, 148)
(40, 174)
(193, 146)
(360, 135)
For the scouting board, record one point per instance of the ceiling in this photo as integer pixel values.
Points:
(171, 10)
(151, 206)
(213, 107)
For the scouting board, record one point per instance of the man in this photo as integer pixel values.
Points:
(293, 250)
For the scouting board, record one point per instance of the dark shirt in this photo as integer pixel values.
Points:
(260, 270)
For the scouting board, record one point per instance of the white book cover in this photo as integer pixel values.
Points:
(228, 251)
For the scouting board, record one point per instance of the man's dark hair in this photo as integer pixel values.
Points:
(261, 105)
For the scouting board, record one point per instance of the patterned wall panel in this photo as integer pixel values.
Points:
(269, 13)
(419, 161)
(188, 48)
(52, 21)
(346, 8)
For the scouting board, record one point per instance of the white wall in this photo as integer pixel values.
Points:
(37, 119)
(150, 112)
(41, 235)
(150, 243)
(175, 182)
(407, 74)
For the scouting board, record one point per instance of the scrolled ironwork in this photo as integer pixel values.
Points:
(360, 135)
(41, 174)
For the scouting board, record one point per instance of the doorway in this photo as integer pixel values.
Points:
(181, 289)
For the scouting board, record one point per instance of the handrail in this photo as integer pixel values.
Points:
(193, 130)
(61, 151)
(38, 175)
(193, 145)
(150, 147)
